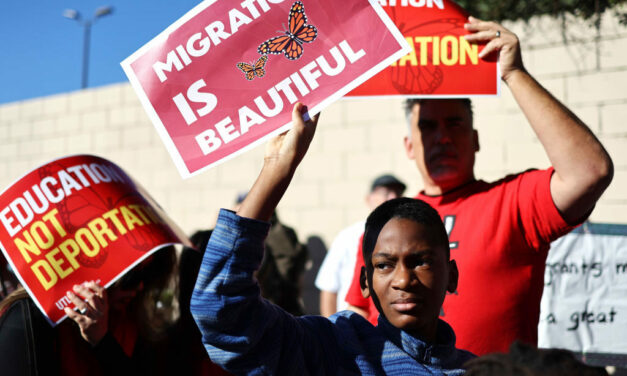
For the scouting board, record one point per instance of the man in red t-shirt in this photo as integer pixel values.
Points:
(500, 232)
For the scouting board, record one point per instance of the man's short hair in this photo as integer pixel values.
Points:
(411, 102)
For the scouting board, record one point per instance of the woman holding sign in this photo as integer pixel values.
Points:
(119, 331)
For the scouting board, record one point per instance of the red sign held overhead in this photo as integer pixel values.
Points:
(78, 219)
(441, 63)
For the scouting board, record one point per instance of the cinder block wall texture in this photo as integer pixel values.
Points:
(584, 67)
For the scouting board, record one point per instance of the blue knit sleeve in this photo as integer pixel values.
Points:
(241, 331)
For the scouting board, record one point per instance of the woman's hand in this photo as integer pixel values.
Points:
(93, 311)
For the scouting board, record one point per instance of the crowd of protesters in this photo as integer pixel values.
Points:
(238, 291)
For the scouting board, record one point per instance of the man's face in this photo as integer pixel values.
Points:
(411, 276)
(382, 194)
(443, 144)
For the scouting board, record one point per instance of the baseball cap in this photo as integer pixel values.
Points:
(387, 180)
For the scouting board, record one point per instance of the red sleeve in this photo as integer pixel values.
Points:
(353, 296)
(539, 216)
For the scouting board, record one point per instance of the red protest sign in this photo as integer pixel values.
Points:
(225, 76)
(441, 63)
(78, 219)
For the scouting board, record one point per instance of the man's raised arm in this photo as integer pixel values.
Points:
(583, 169)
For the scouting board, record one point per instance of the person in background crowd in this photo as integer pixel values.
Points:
(500, 232)
(281, 273)
(409, 272)
(187, 355)
(336, 271)
(119, 331)
(8, 282)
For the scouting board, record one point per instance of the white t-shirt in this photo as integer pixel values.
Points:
(336, 272)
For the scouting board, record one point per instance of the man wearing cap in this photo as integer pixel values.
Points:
(336, 271)
(500, 232)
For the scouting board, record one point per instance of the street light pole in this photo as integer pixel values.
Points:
(86, 38)
(75, 15)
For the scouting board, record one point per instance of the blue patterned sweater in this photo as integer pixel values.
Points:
(246, 334)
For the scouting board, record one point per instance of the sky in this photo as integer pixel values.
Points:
(42, 51)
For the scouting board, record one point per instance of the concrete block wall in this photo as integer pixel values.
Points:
(357, 139)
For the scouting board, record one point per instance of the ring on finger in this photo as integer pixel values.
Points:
(83, 311)
(498, 34)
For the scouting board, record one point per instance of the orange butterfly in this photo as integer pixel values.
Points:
(255, 69)
(291, 44)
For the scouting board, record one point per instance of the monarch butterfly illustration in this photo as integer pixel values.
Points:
(298, 32)
(255, 69)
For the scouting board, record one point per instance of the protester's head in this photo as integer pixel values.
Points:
(525, 360)
(408, 268)
(384, 188)
(442, 141)
(18, 294)
(8, 280)
(144, 292)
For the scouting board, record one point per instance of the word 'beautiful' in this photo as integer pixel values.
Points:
(304, 81)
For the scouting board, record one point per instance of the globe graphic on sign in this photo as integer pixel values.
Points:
(76, 211)
(424, 79)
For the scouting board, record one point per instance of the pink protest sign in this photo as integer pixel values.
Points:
(225, 76)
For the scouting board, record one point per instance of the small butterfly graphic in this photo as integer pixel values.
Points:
(255, 69)
(291, 44)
